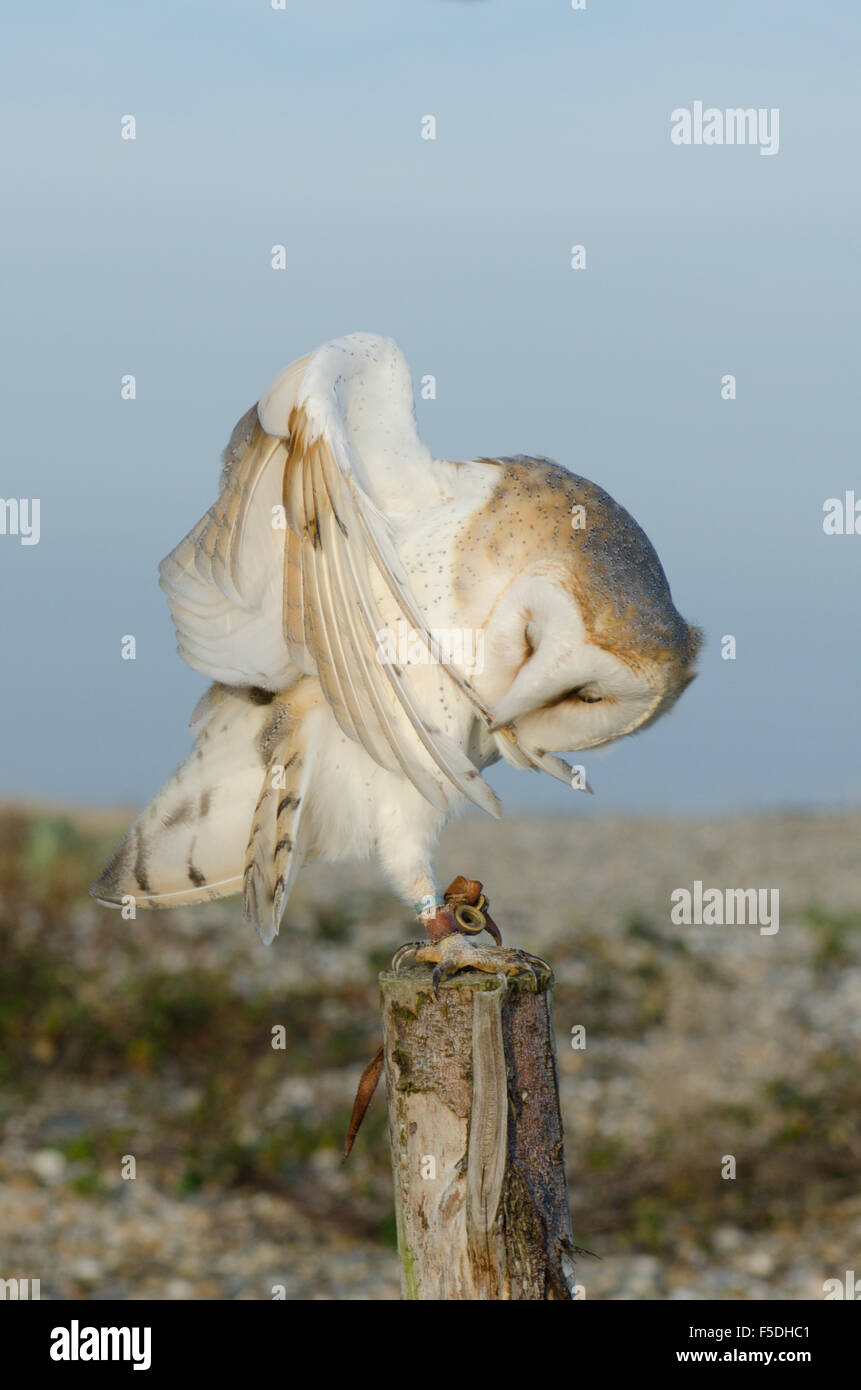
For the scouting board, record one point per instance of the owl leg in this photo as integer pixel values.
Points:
(462, 910)
(407, 831)
(406, 834)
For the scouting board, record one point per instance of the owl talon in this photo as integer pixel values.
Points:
(409, 948)
(492, 929)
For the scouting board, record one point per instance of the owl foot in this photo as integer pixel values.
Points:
(465, 913)
(451, 954)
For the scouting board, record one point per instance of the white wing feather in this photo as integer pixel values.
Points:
(334, 443)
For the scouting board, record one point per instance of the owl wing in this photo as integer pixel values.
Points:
(276, 579)
(224, 580)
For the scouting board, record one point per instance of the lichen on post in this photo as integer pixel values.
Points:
(481, 1198)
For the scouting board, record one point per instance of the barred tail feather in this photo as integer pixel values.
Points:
(275, 852)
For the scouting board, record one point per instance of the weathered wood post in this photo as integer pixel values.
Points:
(481, 1197)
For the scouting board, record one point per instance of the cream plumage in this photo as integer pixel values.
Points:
(334, 534)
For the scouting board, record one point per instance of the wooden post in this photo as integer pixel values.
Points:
(481, 1197)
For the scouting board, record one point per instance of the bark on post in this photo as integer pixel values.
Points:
(481, 1197)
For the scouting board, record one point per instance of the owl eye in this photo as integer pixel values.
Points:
(585, 694)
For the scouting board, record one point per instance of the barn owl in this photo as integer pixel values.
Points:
(380, 626)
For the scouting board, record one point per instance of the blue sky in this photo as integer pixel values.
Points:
(302, 127)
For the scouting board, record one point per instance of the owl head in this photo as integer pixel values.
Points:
(584, 643)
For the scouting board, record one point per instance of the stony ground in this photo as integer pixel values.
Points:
(151, 1041)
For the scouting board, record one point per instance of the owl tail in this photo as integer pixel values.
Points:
(214, 828)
